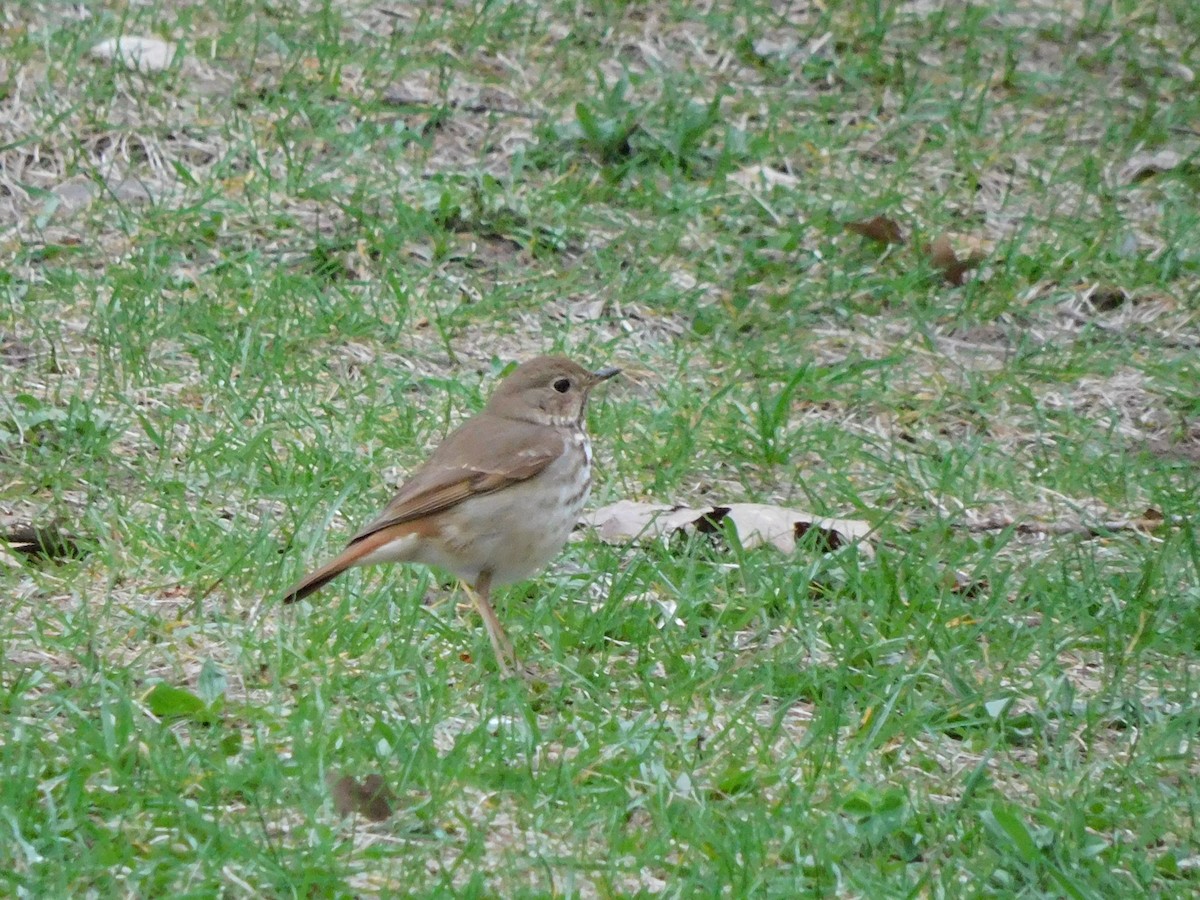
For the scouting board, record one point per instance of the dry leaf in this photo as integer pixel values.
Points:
(1151, 519)
(131, 190)
(7, 559)
(629, 520)
(370, 798)
(75, 194)
(962, 583)
(943, 258)
(141, 54)
(1106, 297)
(771, 46)
(758, 178)
(879, 229)
(16, 353)
(40, 542)
(754, 523)
(1186, 448)
(1146, 165)
(759, 523)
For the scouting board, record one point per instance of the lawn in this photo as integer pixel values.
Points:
(934, 268)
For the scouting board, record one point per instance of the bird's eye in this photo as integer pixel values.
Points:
(562, 385)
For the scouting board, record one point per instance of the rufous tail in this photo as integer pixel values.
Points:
(347, 559)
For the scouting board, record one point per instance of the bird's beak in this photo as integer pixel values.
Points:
(606, 373)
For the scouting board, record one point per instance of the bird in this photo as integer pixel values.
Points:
(496, 500)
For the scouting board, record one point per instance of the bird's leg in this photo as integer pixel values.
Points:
(501, 645)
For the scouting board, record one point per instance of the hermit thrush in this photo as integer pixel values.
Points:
(497, 499)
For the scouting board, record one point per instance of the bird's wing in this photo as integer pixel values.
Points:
(520, 451)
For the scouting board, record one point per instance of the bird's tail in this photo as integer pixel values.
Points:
(354, 555)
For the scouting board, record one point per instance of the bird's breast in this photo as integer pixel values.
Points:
(515, 531)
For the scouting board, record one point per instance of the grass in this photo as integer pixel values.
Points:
(241, 297)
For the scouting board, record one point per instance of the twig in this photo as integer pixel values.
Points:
(398, 99)
(1143, 524)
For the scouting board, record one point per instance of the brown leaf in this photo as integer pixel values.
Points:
(763, 178)
(14, 352)
(74, 194)
(1106, 297)
(40, 541)
(1146, 165)
(1184, 448)
(755, 524)
(964, 584)
(880, 229)
(1151, 519)
(370, 798)
(630, 520)
(943, 258)
(7, 559)
(759, 523)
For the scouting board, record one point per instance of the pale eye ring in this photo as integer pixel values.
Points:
(562, 385)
